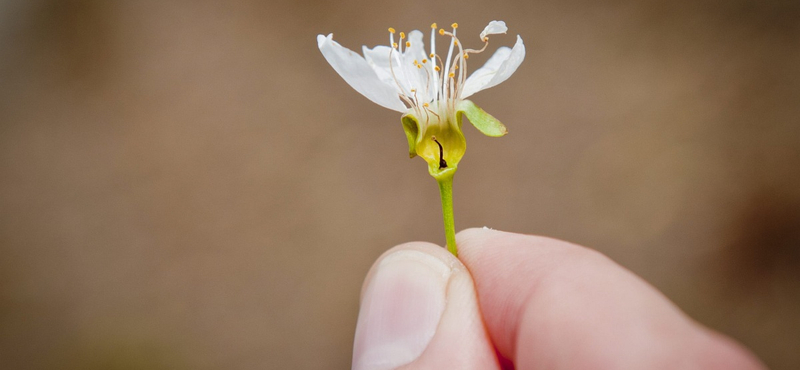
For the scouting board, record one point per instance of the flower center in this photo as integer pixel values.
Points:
(429, 86)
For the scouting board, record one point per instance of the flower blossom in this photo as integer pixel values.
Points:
(428, 89)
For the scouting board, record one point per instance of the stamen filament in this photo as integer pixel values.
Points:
(450, 50)
(433, 55)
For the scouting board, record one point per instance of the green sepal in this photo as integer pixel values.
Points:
(411, 128)
(483, 121)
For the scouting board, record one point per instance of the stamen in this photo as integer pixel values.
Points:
(432, 54)
(441, 31)
(440, 60)
(440, 82)
(433, 113)
(454, 25)
(394, 76)
(407, 100)
(462, 61)
(450, 50)
(391, 30)
(394, 45)
(408, 44)
(424, 61)
(402, 35)
(427, 84)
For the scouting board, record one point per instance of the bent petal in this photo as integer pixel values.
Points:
(494, 28)
(497, 69)
(358, 74)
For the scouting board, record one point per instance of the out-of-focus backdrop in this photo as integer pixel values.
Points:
(189, 185)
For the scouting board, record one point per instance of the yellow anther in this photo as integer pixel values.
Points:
(394, 45)
(424, 61)
(454, 25)
(433, 55)
(419, 66)
(466, 56)
(433, 25)
(425, 104)
(391, 30)
(413, 90)
(441, 31)
(455, 66)
(455, 42)
(437, 69)
(402, 35)
(452, 74)
(408, 44)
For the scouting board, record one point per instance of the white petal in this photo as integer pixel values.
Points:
(417, 48)
(494, 28)
(482, 76)
(417, 77)
(384, 61)
(390, 63)
(497, 69)
(378, 59)
(358, 74)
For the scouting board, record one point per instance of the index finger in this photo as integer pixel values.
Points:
(555, 305)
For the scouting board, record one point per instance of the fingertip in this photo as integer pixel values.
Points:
(416, 245)
(717, 352)
(479, 237)
(552, 304)
(419, 309)
(483, 249)
(476, 235)
(424, 247)
(402, 301)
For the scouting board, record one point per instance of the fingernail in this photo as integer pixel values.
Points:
(400, 310)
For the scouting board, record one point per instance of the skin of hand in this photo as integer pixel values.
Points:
(524, 302)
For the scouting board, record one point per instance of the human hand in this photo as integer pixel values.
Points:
(524, 302)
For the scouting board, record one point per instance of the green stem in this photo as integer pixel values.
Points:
(446, 191)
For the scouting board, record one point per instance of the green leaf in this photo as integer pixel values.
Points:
(411, 128)
(483, 121)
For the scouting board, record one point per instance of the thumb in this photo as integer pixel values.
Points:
(419, 310)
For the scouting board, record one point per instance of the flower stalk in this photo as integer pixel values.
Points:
(446, 193)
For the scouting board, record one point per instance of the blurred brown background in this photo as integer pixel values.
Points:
(189, 185)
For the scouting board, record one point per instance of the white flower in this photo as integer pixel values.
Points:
(428, 89)
(412, 70)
